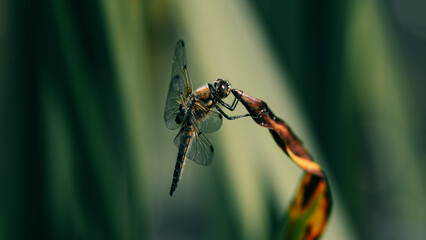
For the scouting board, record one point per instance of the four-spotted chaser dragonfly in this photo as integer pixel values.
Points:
(195, 112)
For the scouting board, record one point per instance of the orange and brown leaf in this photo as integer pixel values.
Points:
(311, 207)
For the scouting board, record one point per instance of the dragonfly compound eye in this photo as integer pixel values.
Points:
(216, 85)
(224, 90)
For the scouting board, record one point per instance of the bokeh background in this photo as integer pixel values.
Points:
(85, 154)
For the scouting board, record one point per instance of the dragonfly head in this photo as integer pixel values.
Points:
(222, 87)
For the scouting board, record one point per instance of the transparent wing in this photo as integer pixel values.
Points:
(179, 88)
(210, 123)
(199, 149)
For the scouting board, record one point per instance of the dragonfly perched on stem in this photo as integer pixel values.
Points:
(195, 112)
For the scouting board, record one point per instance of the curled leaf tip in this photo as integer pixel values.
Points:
(311, 206)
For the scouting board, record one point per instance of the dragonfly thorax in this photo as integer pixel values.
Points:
(192, 109)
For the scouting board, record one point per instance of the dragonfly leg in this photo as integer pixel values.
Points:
(232, 106)
(231, 117)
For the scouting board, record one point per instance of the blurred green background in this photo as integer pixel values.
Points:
(85, 153)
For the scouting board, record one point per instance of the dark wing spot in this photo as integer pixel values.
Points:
(183, 44)
(220, 116)
(180, 116)
(211, 148)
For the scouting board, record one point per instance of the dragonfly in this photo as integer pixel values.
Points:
(195, 112)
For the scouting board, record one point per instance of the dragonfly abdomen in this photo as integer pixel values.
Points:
(179, 163)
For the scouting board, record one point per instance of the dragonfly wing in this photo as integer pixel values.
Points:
(198, 147)
(210, 123)
(179, 88)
